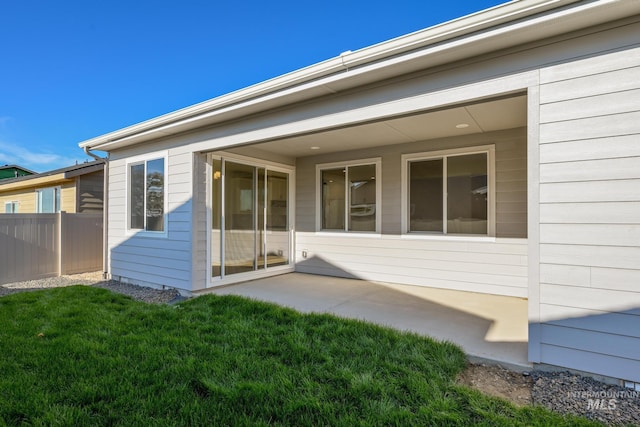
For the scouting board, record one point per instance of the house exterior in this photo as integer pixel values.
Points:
(13, 171)
(73, 189)
(498, 153)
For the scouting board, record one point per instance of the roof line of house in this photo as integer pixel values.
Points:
(16, 167)
(64, 173)
(493, 26)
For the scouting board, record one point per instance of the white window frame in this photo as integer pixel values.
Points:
(441, 154)
(14, 206)
(377, 161)
(144, 159)
(57, 196)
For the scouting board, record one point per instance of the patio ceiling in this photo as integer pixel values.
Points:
(479, 117)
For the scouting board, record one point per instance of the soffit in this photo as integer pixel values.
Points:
(482, 117)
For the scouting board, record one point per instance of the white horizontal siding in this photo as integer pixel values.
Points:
(498, 267)
(604, 364)
(585, 319)
(589, 210)
(591, 213)
(145, 259)
(608, 81)
(591, 149)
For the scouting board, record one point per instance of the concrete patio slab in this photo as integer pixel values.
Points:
(489, 328)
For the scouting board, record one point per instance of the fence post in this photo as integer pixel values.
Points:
(61, 228)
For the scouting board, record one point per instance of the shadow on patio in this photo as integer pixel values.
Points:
(488, 327)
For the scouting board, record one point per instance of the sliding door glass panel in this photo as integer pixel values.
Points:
(216, 218)
(467, 194)
(240, 218)
(333, 199)
(260, 219)
(362, 198)
(277, 225)
(425, 195)
(249, 218)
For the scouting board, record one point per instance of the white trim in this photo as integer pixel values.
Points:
(144, 159)
(489, 149)
(213, 282)
(377, 161)
(533, 222)
(209, 219)
(251, 161)
(450, 237)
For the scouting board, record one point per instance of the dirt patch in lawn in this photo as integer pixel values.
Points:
(496, 381)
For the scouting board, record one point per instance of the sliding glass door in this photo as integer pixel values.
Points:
(250, 218)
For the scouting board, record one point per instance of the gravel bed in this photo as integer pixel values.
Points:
(140, 293)
(568, 393)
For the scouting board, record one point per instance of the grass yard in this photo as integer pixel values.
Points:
(86, 356)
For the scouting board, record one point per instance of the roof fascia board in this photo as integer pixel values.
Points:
(84, 170)
(471, 30)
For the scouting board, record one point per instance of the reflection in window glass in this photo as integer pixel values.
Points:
(136, 196)
(425, 195)
(462, 198)
(146, 195)
(155, 195)
(48, 200)
(467, 194)
(333, 199)
(362, 198)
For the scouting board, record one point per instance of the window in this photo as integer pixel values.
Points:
(349, 196)
(147, 195)
(450, 192)
(11, 207)
(48, 200)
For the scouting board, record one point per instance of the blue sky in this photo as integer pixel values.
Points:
(71, 70)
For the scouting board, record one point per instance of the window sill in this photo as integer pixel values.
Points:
(449, 237)
(371, 234)
(149, 234)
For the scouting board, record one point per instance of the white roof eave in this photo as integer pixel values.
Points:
(493, 28)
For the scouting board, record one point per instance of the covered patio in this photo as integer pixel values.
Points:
(489, 328)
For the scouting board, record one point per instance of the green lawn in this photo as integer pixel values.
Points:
(86, 356)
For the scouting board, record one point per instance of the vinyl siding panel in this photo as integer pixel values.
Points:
(148, 259)
(604, 364)
(590, 213)
(498, 267)
(26, 200)
(68, 197)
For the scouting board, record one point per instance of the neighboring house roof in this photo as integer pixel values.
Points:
(13, 171)
(56, 175)
(504, 26)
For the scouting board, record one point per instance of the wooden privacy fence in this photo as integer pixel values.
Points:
(35, 246)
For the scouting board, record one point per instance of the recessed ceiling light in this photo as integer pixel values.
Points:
(462, 125)
(315, 148)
